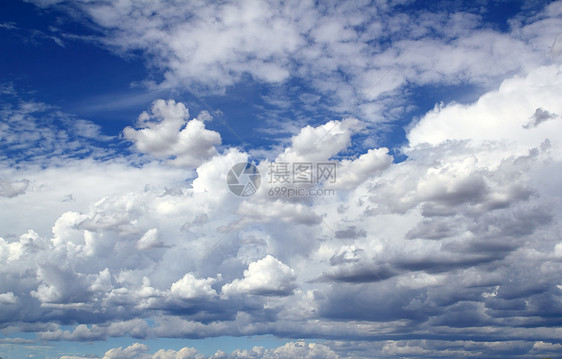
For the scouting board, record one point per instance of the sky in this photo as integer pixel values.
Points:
(295, 179)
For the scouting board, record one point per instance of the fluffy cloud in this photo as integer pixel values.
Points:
(268, 276)
(353, 173)
(320, 143)
(517, 111)
(468, 212)
(150, 240)
(135, 350)
(452, 251)
(8, 298)
(166, 133)
(191, 287)
(290, 350)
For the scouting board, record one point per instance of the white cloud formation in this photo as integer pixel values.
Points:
(460, 240)
(353, 173)
(500, 115)
(135, 350)
(267, 276)
(320, 143)
(290, 350)
(165, 132)
(150, 240)
(190, 287)
(8, 298)
(197, 259)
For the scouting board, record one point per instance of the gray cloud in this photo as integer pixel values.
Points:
(539, 117)
(12, 188)
(360, 274)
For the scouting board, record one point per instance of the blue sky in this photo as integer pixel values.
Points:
(439, 235)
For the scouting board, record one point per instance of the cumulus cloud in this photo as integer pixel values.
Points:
(289, 350)
(150, 240)
(498, 115)
(353, 173)
(166, 133)
(320, 143)
(451, 251)
(267, 276)
(466, 212)
(190, 287)
(8, 298)
(135, 350)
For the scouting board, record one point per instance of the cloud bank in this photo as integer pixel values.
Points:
(454, 251)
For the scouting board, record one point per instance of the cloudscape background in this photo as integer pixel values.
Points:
(440, 236)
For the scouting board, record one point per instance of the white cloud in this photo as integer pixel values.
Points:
(498, 115)
(167, 133)
(290, 350)
(102, 282)
(353, 173)
(302, 350)
(8, 298)
(150, 240)
(211, 176)
(190, 287)
(320, 143)
(183, 353)
(400, 229)
(85, 182)
(267, 276)
(209, 47)
(461, 239)
(60, 285)
(135, 350)
(277, 210)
